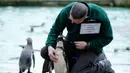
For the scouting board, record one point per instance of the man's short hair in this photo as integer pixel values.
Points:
(79, 10)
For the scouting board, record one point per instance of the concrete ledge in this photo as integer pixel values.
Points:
(47, 2)
(123, 3)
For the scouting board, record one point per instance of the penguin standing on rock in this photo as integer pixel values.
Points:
(26, 57)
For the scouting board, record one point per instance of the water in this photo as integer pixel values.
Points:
(15, 25)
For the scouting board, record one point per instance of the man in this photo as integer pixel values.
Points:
(89, 30)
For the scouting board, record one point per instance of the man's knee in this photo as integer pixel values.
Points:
(44, 52)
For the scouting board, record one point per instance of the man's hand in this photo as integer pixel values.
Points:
(80, 44)
(52, 54)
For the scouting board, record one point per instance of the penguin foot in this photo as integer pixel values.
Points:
(20, 72)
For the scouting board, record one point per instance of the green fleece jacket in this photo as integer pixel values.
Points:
(95, 15)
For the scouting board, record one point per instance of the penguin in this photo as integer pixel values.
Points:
(61, 66)
(36, 26)
(26, 57)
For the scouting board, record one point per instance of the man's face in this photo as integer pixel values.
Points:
(76, 21)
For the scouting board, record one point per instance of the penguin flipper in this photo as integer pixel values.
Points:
(22, 46)
(33, 56)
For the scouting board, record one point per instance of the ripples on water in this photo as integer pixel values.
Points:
(15, 25)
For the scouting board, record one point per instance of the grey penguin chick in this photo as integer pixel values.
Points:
(26, 57)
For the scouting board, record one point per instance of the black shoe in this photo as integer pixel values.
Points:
(107, 66)
(47, 65)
